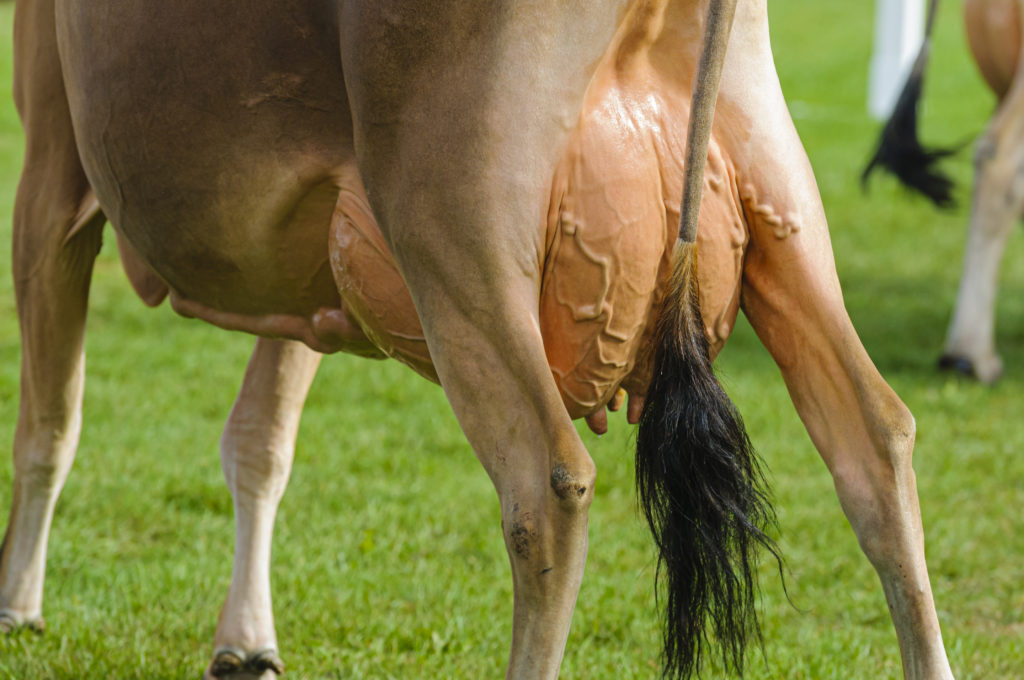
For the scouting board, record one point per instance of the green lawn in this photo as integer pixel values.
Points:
(388, 559)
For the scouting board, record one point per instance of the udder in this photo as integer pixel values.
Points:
(612, 215)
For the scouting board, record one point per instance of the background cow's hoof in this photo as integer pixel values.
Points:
(955, 364)
(11, 621)
(985, 370)
(231, 663)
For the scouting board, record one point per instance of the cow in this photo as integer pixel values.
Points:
(487, 192)
(994, 35)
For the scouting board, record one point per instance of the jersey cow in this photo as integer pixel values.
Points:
(487, 192)
(994, 30)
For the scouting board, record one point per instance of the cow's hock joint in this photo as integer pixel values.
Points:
(565, 485)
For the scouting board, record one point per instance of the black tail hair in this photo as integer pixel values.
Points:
(899, 148)
(700, 487)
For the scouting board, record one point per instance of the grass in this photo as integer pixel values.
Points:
(388, 557)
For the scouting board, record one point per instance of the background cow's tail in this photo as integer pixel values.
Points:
(899, 148)
(698, 481)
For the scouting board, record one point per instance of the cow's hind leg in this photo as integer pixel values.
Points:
(57, 230)
(861, 428)
(791, 295)
(863, 431)
(256, 454)
(998, 202)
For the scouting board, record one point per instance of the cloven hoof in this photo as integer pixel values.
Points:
(957, 364)
(11, 621)
(986, 369)
(231, 660)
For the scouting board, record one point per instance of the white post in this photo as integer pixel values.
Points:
(899, 30)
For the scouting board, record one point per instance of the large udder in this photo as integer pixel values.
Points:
(613, 211)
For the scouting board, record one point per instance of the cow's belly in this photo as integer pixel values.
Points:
(218, 154)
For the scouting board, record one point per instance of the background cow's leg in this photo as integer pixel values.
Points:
(461, 113)
(56, 237)
(256, 454)
(998, 203)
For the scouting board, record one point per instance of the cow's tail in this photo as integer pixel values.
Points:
(698, 481)
(899, 148)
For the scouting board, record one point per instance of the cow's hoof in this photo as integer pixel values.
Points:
(987, 371)
(955, 364)
(236, 664)
(11, 621)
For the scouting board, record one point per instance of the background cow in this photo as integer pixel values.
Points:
(994, 35)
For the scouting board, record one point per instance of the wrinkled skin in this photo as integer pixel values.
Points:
(994, 34)
(524, 184)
